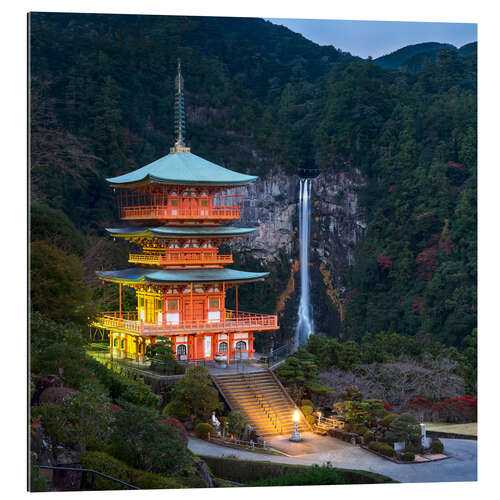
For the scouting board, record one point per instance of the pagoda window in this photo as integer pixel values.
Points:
(222, 346)
(173, 311)
(142, 301)
(213, 310)
(115, 342)
(240, 346)
(181, 350)
(139, 348)
(122, 346)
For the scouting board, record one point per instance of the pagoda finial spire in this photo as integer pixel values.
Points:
(180, 121)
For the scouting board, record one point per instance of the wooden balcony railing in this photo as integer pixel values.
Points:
(174, 213)
(191, 257)
(233, 321)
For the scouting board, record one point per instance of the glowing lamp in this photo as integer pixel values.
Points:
(296, 419)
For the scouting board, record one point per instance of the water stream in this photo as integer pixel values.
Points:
(305, 321)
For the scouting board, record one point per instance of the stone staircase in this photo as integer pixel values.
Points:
(262, 399)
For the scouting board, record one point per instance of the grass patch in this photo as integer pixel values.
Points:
(469, 429)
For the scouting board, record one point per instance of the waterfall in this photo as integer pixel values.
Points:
(305, 322)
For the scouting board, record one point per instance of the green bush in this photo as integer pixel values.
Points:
(139, 440)
(247, 471)
(236, 423)
(367, 437)
(404, 428)
(310, 419)
(383, 448)
(314, 475)
(360, 430)
(389, 418)
(113, 467)
(408, 456)
(202, 430)
(437, 446)
(307, 410)
(176, 410)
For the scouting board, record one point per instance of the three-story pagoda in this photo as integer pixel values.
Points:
(177, 209)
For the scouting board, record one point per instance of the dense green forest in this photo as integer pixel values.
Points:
(258, 97)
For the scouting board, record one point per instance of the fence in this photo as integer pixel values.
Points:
(84, 472)
(237, 442)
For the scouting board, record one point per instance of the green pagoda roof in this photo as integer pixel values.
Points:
(180, 232)
(184, 168)
(180, 275)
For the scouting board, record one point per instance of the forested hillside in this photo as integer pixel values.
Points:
(261, 98)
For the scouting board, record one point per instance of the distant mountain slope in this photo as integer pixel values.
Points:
(467, 49)
(412, 58)
(401, 56)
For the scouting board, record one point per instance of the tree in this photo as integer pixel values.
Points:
(195, 393)
(144, 443)
(56, 287)
(404, 428)
(299, 374)
(162, 354)
(236, 423)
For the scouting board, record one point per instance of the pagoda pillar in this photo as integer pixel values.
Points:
(250, 345)
(230, 348)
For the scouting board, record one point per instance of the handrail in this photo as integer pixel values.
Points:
(265, 406)
(163, 211)
(80, 469)
(127, 320)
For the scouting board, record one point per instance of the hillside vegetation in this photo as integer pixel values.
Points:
(259, 97)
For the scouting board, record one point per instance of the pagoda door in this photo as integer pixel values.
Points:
(194, 311)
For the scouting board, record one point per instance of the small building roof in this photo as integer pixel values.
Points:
(180, 232)
(184, 168)
(136, 274)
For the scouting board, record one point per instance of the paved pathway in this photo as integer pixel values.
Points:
(462, 466)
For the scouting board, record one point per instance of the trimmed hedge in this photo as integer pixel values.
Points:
(202, 430)
(307, 410)
(437, 446)
(408, 456)
(383, 448)
(111, 466)
(249, 471)
(313, 475)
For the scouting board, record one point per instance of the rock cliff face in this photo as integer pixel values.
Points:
(337, 227)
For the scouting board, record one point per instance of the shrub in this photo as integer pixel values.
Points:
(196, 393)
(202, 430)
(408, 456)
(360, 430)
(111, 466)
(307, 410)
(383, 448)
(368, 436)
(177, 410)
(141, 442)
(314, 475)
(404, 428)
(306, 402)
(310, 419)
(176, 424)
(236, 423)
(389, 418)
(437, 446)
